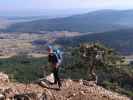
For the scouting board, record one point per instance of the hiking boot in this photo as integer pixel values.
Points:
(59, 84)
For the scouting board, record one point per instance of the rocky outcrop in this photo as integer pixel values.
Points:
(4, 77)
(71, 90)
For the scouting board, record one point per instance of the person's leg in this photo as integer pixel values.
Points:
(92, 70)
(57, 77)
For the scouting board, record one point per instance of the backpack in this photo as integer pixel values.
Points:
(58, 54)
(53, 58)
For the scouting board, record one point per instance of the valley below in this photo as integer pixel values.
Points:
(33, 44)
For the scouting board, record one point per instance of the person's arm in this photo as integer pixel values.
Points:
(56, 65)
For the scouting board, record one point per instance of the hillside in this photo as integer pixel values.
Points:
(97, 21)
(4, 23)
(71, 90)
(113, 75)
(120, 40)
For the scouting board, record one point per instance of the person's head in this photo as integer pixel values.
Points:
(50, 49)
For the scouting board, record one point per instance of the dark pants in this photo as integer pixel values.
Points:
(56, 76)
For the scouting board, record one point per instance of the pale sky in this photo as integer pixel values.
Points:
(9, 5)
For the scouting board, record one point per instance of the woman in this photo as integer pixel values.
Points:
(55, 63)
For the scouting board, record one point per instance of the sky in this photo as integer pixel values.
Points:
(64, 4)
(38, 5)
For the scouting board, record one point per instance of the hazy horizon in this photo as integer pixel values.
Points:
(17, 5)
(34, 7)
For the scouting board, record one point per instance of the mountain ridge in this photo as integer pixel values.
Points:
(97, 21)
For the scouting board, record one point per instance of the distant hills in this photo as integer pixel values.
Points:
(120, 40)
(4, 23)
(111, 27)
(97, 21)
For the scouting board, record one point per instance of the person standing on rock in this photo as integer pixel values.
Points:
(93, 55)
(54, 60)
